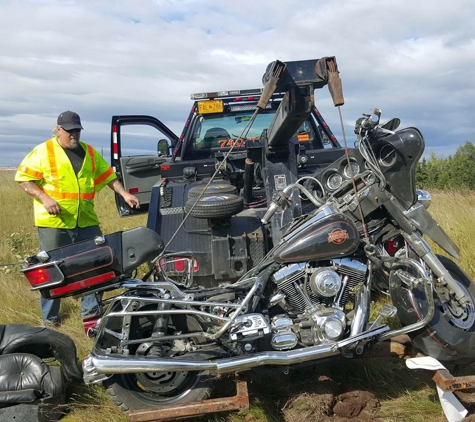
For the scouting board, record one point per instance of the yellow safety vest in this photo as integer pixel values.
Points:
(50, 168)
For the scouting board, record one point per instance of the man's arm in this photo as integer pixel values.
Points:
(32, 189)
(117, 187)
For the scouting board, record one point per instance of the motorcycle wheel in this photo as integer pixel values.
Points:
(151, 389)
(141, 391)
(450, 335)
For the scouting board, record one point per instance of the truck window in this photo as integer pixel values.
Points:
(140, 140)
(218, 131)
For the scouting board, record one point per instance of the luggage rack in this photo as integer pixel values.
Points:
(400, 347)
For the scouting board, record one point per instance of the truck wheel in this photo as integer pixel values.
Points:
(217, 189)
(217, 206)
(450, 335)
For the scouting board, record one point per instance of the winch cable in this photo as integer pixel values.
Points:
(221, 164)
(11, 264)
(347, 155)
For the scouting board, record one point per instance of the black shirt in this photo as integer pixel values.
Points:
(76, 156)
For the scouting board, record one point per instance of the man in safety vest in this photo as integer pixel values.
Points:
(63, 175)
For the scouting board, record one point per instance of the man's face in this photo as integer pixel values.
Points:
(69, 138)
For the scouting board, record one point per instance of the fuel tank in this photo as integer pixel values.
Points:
(326, 235)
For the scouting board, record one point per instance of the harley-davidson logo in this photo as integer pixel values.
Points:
(338, 236)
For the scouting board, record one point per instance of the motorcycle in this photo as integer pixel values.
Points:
(160, 342)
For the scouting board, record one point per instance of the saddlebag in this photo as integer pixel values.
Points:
(92, 265)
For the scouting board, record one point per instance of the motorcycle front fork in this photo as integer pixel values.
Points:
(423, 250)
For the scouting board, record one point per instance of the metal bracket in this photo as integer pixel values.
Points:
(189, 410)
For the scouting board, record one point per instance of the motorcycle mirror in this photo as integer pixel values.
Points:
(392, 124)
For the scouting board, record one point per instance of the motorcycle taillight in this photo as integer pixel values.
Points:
(43, 276)
(181, 264)
(178, 264)
(83, 284)
(38, 276)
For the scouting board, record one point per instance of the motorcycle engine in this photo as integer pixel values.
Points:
(314, 299)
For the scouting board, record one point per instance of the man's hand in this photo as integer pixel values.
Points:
(51, 205)
(130, 199)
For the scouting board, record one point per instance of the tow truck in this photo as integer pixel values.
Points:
(223, 232)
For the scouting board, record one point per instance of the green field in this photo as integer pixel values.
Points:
(404, 395)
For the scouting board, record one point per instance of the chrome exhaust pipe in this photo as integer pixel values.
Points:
(109, 365)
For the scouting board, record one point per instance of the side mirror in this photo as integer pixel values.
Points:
(392, 124)
(163, 148)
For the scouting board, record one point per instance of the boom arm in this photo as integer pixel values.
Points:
(298, 79)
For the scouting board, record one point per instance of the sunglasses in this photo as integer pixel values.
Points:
(71, 130)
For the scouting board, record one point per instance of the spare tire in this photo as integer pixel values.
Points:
(215, 189)
(216, 206)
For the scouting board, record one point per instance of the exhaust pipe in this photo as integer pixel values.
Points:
(109, 365)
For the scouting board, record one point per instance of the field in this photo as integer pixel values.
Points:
(399, 394)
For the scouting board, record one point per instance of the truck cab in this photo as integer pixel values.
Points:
(165, 176)
(141, 146)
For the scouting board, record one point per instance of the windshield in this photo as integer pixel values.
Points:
(219, 131)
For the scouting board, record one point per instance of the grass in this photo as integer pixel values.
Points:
(405, 395)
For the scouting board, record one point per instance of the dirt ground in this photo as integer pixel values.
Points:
(326, 404)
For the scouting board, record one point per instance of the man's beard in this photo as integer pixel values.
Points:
(73, 143)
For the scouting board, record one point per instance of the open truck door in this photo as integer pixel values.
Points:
(139, 146)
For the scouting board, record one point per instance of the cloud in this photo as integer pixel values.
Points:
(413, 59)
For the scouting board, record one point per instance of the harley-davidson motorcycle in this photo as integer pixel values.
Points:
(161, 342)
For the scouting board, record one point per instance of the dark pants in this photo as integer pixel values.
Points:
(56, 238)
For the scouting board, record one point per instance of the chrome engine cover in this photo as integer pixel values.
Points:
(325, 282)
(248, 327)
(283, 338)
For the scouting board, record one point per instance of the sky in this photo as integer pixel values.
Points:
(413, 59)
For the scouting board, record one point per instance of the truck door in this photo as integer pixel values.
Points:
(139, 145)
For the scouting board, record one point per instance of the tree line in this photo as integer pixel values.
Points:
(454, 172)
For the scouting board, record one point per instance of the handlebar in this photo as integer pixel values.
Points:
(370, 121)
(270, 212)
(282, 199)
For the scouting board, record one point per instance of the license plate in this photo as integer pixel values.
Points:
(210, 106)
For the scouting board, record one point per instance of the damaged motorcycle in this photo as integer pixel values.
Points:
(333, 238)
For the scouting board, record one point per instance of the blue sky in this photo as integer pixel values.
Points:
(412, 59)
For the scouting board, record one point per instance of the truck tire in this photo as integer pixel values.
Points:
(216, 206)
(215, 189)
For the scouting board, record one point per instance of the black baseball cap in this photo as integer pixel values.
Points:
(69, 120)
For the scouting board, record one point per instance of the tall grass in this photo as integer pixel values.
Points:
(405, 395)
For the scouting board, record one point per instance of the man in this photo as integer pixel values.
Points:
(63, 175)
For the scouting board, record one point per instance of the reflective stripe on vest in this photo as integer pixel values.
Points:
(36, 174)
(103, 176)
(55, 193)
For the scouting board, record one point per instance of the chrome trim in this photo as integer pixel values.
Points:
(424, 197)
(428, 288)
(45, 265)
(104, 364)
